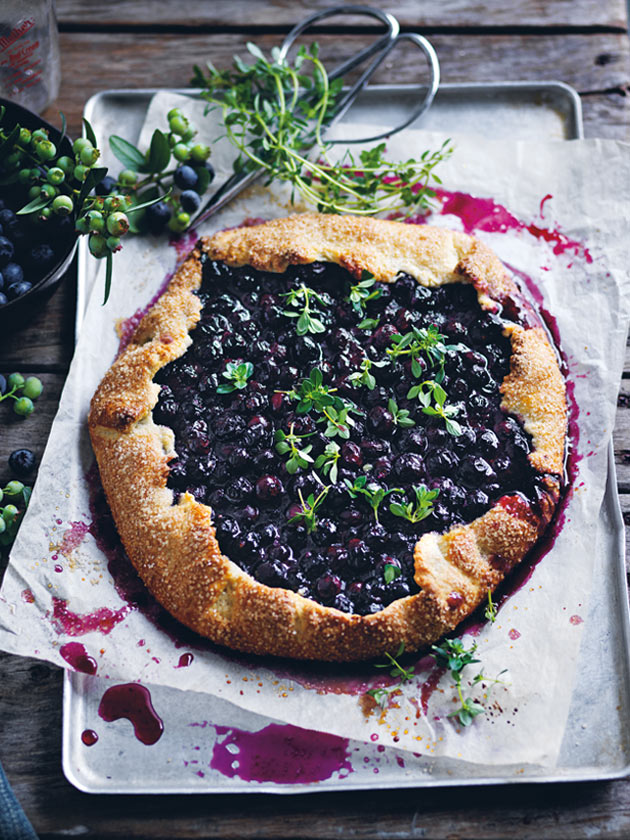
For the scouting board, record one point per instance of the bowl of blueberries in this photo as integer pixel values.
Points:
(36, 248)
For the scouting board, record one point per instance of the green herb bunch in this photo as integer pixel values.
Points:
(274, 112)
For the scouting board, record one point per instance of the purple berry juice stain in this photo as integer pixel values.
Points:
(283, 754)
(78, 658)
(89, 737)
(69, 623)
(132, 702)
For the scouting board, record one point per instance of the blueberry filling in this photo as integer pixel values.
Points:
(307, 498)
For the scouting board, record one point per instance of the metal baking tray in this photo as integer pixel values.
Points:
(596, 744)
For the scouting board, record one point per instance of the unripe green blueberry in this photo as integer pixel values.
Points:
(113, 202)
(127, 178)
(172, 140)
(33, 193)
(89, 156)
(1, 494)
(80, 172)
(179, 222)
(14, 159)
(24, 176)
(24, 406)
(188, 135)
(114, 244)
(96, 222)
(45, 150)
(44, 214)
(55, 175)
(181, 152)
(35, 174)
(38, 135)
(174, 112)
(33, 387)
(62, 205)
(66, 164)
(200, 153)
(82, 225)
(25, 136)
(15, 380)
(48, 191)
(3, 525)
(97, 245)
(81, 143)
(9, 513)
(117, 224)
(178, 125)
(14, 488)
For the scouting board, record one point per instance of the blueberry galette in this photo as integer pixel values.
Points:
(332, 435)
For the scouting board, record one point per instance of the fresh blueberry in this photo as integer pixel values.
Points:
(16, 290)
(6, 250)
(42, 256)
(190, 201)
(157, 216)
(12, 273)
(185, 178)
(106, 186)
(22, 462)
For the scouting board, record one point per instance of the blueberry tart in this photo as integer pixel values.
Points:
(332, 435)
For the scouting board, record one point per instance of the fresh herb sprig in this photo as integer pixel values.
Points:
(312, 394)
(419, 343)
(432, 398)
(422, 508)
(309, 509)
(274, 112)
(490, 612)
(363, 376)
(307, 316)
(327, 461)
(452, 654)
(290, 444)
(374, 493)
(362, 292)
(400, 415)
(237, 374)
(396, 670)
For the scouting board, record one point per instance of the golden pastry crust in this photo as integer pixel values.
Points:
(173, 546)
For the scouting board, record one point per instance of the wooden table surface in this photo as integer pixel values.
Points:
(150, 43)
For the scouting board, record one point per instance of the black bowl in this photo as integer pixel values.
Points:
(16, 312)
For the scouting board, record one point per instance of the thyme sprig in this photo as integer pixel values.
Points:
(360, 293)
(422, 508)
(400, 415)
(237, 373)
(309, 509)
(363, 375)
(288, 444)
(327, 461)
(427, 342)
(452, 654)
(274, 112)
(374, 493)
(301, 299)
(490, 612)
(311, 394)
(430, 391)
(396, 669)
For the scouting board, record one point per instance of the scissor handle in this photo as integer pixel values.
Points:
(391, 31)
(423, 105)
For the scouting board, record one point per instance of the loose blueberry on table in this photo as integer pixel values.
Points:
(330, 422)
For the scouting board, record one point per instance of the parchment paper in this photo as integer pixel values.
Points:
(59, 588)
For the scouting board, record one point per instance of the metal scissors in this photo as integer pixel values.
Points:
(375, 53)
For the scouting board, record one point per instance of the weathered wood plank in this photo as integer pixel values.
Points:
(607, 115)
(28, 432)
(285, 13)
(154, 60)
(46, 342)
